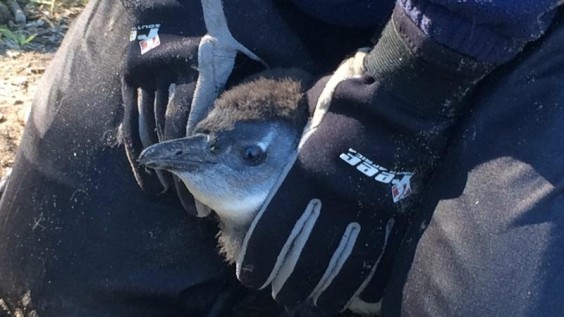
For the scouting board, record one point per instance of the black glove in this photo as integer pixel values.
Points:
(161, 58)
(147, 83)
(325, 238)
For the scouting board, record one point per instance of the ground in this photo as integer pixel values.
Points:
(25, 51)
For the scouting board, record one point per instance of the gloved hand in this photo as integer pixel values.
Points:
(188, 45)
(148, 82)
(324, 234)
(158, 78)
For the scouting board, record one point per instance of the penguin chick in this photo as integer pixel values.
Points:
(236, 154)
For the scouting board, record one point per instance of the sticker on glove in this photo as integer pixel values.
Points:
(147, 35)
(400, 181)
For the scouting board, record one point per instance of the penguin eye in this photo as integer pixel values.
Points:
(252, 155)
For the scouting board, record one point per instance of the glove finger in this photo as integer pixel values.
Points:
(147, 129)
(160, 105)
(335, 261)
(271, 234)
(161, 102)
(186, 198)
(374, 291)
(314, 268)
(176, 117)
(132, 140)
(314, 93)
(178, 109)
(359, 268)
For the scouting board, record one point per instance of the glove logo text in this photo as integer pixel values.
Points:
(400, 181)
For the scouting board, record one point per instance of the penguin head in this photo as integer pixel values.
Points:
(239, 152)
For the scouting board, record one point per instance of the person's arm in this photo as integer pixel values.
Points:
(492, 31)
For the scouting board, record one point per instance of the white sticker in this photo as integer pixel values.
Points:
(149, 44)
(401, 188)
(147, 35)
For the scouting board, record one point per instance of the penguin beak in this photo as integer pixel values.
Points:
(185, 154)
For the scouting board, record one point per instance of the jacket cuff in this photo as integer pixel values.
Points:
(420, 71)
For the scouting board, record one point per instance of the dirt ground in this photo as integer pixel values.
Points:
(25, 51)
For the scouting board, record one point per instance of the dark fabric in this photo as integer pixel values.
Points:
(350, 13)
(493, 246)
(328, 44)
(492, 31)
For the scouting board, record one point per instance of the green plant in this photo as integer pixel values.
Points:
(18, 38)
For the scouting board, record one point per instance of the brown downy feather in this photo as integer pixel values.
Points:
(272, 94)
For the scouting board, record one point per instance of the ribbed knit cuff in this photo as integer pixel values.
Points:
(418, 70)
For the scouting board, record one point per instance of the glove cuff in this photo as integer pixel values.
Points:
(421, 72)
